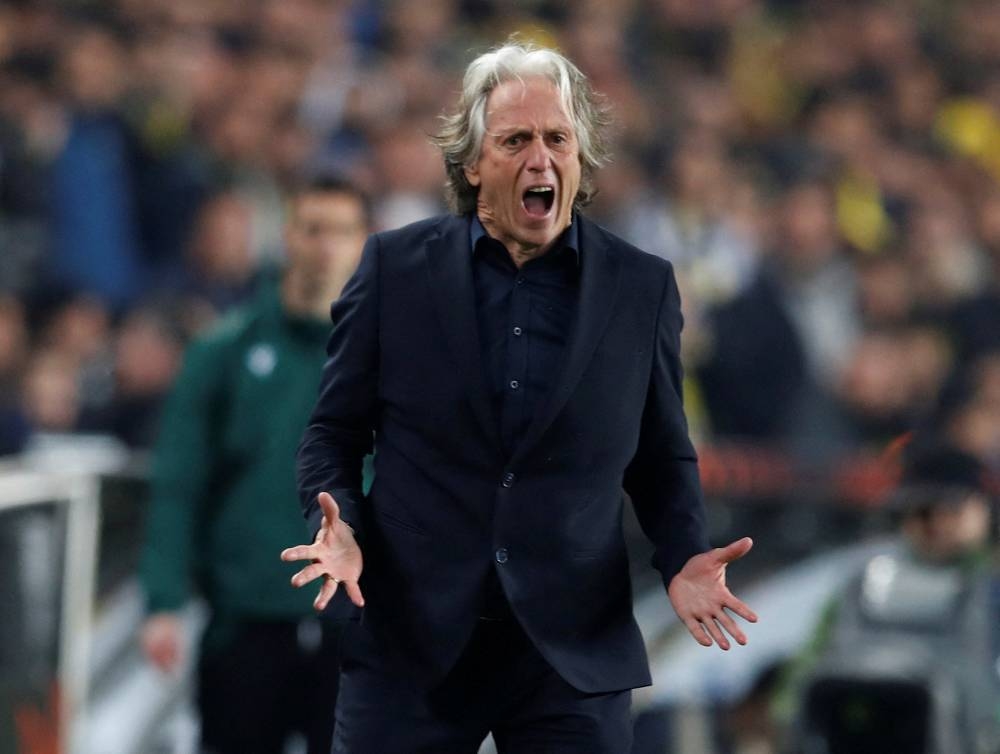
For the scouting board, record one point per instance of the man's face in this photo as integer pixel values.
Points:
(528, 171)
(325, 235)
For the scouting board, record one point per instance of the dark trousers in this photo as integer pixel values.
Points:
(501, 685)
(260, 682)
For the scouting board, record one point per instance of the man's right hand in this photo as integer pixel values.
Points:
(162, 639)
(335, 556)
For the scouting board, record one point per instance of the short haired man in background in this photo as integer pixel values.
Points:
(223, 478)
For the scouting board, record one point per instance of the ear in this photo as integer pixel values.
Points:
(471, 174)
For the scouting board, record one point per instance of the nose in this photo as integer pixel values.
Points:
(325, 244)
(538, 156)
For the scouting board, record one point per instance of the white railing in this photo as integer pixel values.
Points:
(68, 474)
(78, 492)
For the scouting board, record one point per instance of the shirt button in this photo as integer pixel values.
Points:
(518, 331)
(520, 280)
(514, 384)
(508, 479)
(502, 555)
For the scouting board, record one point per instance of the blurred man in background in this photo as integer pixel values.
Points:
(904, 659)
(223, 475)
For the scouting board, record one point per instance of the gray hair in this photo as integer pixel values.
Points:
(461, 136)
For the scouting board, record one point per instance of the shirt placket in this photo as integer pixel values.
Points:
(518, 341)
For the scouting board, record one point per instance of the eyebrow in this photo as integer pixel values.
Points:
(520, 130)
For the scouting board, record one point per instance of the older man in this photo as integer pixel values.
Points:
(517, 367)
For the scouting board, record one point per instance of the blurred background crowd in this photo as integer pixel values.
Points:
(824, 175)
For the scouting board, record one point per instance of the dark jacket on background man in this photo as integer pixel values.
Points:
(223, 472)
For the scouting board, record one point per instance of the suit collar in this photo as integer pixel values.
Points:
(449, 266)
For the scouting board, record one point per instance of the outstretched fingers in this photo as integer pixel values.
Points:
(697, 630)
(740, 608)
(734, 550)
(300, 552)
(713, 629)
(307, 574)
(326, 593)
(354, 592)
(711, 626)
(329, 589)
(726, 622)
(331, 511)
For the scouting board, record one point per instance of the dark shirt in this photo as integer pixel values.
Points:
(524, 316)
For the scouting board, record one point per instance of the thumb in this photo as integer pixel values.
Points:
(735, 550)
(329, 507)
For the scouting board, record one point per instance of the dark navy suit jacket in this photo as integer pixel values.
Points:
(448, 504)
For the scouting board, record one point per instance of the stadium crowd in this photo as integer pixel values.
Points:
(823, 174)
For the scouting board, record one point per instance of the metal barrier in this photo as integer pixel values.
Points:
(69, 604)
(72, 495)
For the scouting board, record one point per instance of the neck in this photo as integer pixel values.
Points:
(519, 251)
(520, 254)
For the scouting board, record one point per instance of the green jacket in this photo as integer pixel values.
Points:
(224, 502)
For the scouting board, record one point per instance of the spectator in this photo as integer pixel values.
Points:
(974, 319)
(688, 225)
(13, 351)
(13, 341)
(96, 232)
(779, 348)
(892, 379)
(51, 393)
(147, 352)
(220, 268)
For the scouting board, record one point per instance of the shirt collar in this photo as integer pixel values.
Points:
(570, 238)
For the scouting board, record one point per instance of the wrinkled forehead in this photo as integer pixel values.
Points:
(528, 100)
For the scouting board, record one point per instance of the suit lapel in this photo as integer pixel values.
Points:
(599, 280)
(449, 266)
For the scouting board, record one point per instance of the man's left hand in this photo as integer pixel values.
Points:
(701, 598)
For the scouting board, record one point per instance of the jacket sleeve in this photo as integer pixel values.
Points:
(662, 478)
(183, 462)
(340, 430)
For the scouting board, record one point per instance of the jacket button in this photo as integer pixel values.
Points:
(508, 479)
(502, 555)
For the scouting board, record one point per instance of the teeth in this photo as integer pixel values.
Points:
(540, 190)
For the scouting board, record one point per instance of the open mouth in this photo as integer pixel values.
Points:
(538, 200)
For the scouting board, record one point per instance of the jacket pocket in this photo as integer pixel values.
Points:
(397, 523)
